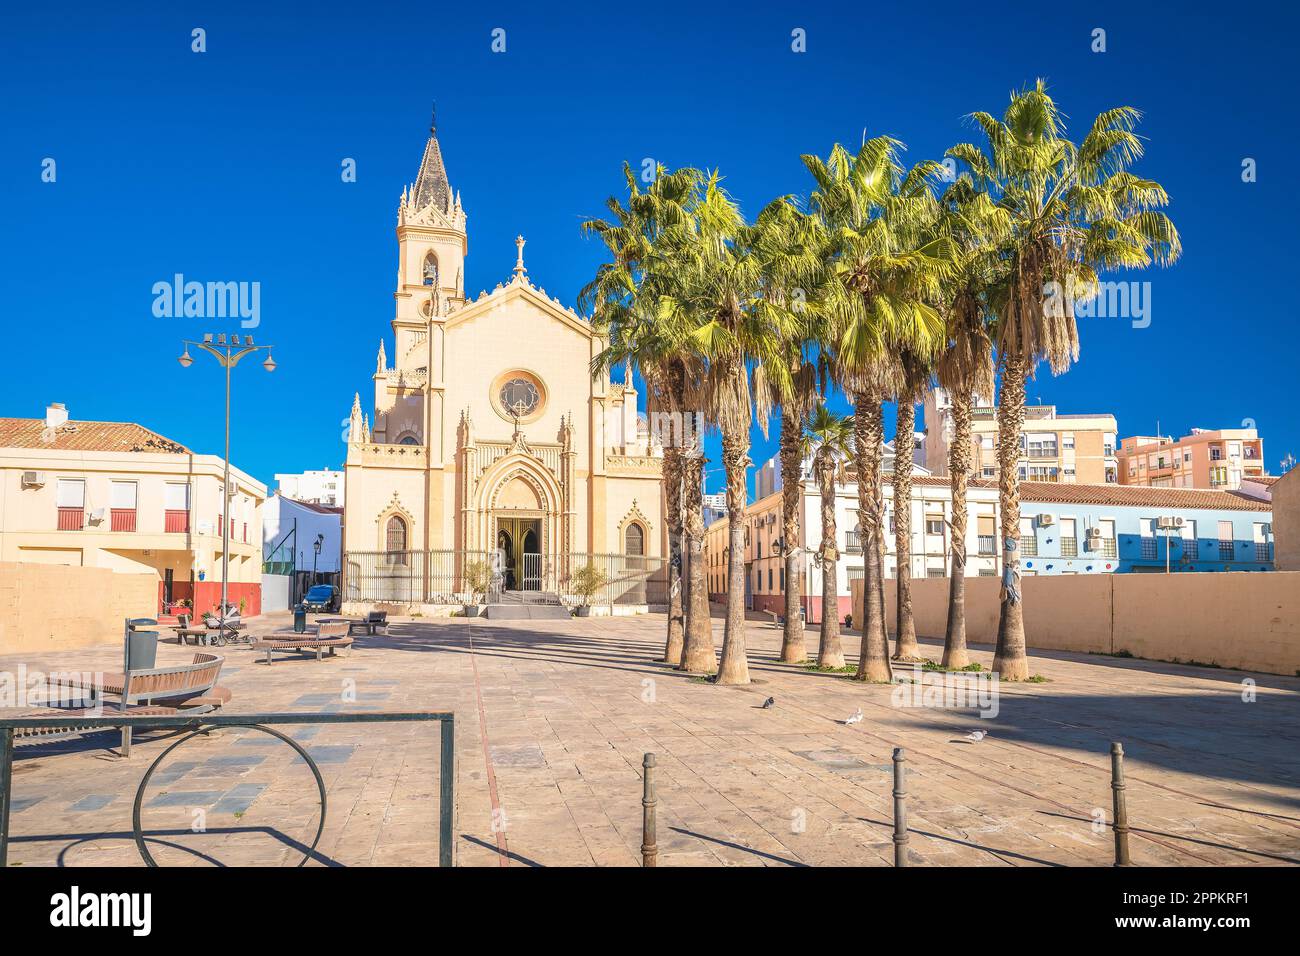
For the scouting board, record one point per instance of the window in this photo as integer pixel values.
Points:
(176, 502)
(769, 579)
(855, 574)
(1067, 440)
(1147, 528)
(408, 440)
(431, 270)
(1263, 548)
(1216, 453)
(988, 573)
(1028, 539)
(71, 502)
(1225, 541)
(519, 397)
(935, 573)
(1191, 550)
(1109, 549)
(988, 534)
(395, 540)
(988, 471)
(122, 500)
(782, 579)
(1069, 542)
(933, 524)
(634, 540)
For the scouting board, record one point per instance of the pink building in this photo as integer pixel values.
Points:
(1217, 459)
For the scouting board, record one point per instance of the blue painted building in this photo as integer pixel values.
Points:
(1099, 529)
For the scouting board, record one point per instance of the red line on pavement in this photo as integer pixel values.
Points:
(498, 819)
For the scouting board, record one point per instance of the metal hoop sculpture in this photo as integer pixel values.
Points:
(139, 793)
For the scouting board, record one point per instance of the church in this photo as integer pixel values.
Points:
(490, 439)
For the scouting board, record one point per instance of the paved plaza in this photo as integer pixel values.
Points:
(552, 721)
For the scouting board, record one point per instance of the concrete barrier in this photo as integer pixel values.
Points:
(1244, 620)
(51, 607)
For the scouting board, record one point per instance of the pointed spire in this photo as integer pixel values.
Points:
(381, 365)
(356, 431)
(431, 184)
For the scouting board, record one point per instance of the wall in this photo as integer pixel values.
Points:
(50, 607)
(275, 591)
(1286, 521)
(1238, 620)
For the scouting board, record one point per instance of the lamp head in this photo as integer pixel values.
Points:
(185, 359)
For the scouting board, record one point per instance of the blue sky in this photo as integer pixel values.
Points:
(225, 165)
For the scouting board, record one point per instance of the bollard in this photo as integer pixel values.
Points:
(649, 849)
(900, 809)
(1121, 808)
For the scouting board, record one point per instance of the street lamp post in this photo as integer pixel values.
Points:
(316, 557)
(228, 354)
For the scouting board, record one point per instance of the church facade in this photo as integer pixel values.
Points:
(489, 436)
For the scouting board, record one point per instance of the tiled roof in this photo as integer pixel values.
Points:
(85, 436)
(1261, 479)
(314, 506)
(1132, 495)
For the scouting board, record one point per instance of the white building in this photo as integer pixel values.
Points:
(323, 487)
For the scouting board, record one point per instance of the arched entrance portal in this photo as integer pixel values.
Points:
(520, 542)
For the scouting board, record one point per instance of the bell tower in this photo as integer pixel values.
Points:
(432, 245)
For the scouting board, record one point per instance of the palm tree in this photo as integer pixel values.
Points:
(913, 374)
(888, 266)
(739, 334)
(965, 369)
(790, 246)
(625, 296)
(1074, 211)
(829, 438)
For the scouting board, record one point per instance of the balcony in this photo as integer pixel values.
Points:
(176, 522)
(853, 542)
(72, 519)
(987, 544)
(122, 519)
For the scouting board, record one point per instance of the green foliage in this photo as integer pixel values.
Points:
(587, 582)
(478, 579)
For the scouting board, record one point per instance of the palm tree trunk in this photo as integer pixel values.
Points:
(698, 656)
(869, 442)
(904, 440)
(733, 668)
(829, 651)
(673, 498)
(793, 648)
(1009, 660)
(954, 639)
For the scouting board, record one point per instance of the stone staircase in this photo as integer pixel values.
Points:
(527, 606)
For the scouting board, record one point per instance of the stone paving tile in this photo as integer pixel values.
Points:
(1212, 781)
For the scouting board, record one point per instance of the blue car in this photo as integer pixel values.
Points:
(321, 598)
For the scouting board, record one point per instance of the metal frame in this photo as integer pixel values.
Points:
(201, 724)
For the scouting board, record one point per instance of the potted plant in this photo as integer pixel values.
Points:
(478, 579)
(585, 583)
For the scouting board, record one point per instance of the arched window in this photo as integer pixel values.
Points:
(395, 540)
(431, 270)
(634, 540)
(408, 440)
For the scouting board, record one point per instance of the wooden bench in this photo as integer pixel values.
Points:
(155, 691)
(328, 637)
(376, 622)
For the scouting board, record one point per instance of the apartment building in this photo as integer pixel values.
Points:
(1220, 458)
(324, 487)
(116, 495)
(1064, 529)
(1076, 449)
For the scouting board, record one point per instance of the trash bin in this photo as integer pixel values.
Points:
(300, 618)
(141, 645)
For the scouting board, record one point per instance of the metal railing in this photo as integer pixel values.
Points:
(201, 725)
(853, 542)
(411, 577)
(439, 577)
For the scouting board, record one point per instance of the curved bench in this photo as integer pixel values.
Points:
(188, 687)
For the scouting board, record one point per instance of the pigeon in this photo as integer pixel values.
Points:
(769, 703)
(975, 736)
(856, 718)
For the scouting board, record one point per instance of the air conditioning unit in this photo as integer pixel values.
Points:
(33, 479)
(1170, 524)
(1094, 537)
(1044, 520)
